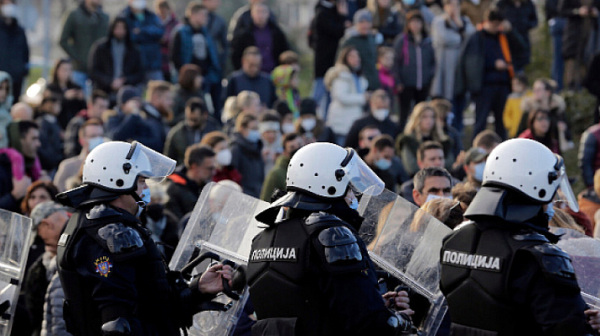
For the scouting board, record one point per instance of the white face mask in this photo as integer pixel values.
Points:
(9, 11)
(138, 4)
(224, 157)
(308, 124)
(381, 114)
(288, 128)
(432, 197)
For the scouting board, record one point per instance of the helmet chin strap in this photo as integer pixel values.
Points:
(138, 199)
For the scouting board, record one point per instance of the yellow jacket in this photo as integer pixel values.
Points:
(513, 113)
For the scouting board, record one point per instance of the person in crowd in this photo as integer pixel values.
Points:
(191, 130)
(84, 25)
(157, 111)
(592, 83)
(523, 17)
(241, 19)
(19, 164)
(6, 100)
(348, 92)
(269, 126)
(230, 110)
(327, 28)
(145, 31)
(485, 69)
(379, 159)
(193, 44)
(365, 138)
(431, 183)
(246, 151)
(464, 193)
(362, 38)
(21, 111)
(14, 54)
(264, 34)
(275, 179)
(429, 154)
(475, 10)
(97, 105)
(487, 140)
(449, 31)
(115, 61)
(545, 98)
(51, 151)
(422, 126)
(250, 78)
(38, 192)
(286, 79)
(589, 202)
(187, 182)
(217, 28)
(49, 219)
(128, 124)
(164, 11)
(91, 134)
(474, 166)
(246, 101)
(414, 64)
(513, 111)
(443, 109)
(379, 108)
(556, 23)
(589, 154)
(310, 127)
(385, 65)
(189, 86)
(70, 94)
(286, 116)
(445, 210)
(386, 19)
(160, 221)
(581, 21)
(218, 142)
(538, 129)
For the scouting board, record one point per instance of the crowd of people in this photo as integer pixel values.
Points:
(391, 80)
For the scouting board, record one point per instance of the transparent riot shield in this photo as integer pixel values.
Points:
(405, 242)
(585, 256)
(222, 223)
(15, 235)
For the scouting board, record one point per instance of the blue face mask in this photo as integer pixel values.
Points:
(354, 204)
(145, 196)
(479, 168)
(253, 136)
(550, 212)
(408, 2)
(383, 164)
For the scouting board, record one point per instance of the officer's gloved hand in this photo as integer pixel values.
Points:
(116, 327)
(401, 323)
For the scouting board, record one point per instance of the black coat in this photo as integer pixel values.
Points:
(246, 39)
(577, 30)
(247, 159)
(523, 19)
(14, 51)
(7, 201)
(101, 65)
(328, 30)
(386, 127)
(183, 193)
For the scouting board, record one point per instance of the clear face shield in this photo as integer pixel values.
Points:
(361, 178)
(152, 165)
(564, 193)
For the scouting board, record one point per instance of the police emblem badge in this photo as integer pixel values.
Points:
(103, 266)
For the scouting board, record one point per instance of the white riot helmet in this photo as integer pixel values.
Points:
(325, 170)
(115, 166)
(530, 168)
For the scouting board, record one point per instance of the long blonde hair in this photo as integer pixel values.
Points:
(413, 126)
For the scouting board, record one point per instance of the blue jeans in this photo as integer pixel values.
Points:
(557, 27)
(80, 79)
(458, 107)
(492, 98)
(321, 96)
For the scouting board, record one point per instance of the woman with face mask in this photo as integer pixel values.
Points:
(218, 142)
(310, 127)
(246, 152)
(539, 129)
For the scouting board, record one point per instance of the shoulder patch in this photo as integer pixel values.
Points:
(473, 261)
(103, 266)
(120, 238)
(553, 260)
(102, 211)
(340, 245)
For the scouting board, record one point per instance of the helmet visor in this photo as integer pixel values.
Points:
(362, 179)
(566, 191)
(153, 165)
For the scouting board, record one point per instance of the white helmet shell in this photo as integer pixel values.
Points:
(529, 168)
(325, 170)
(115, 166)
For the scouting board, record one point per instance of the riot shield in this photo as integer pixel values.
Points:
(585, 256)
(15, 235)
(223, 223)
(405, 242)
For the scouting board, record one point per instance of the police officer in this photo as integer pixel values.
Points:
(502, 273)
(309, 272)
(115, 279)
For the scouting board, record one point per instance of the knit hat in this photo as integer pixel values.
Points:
(363, 15)
(43, 211)
(308, 106)
(127, 93)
